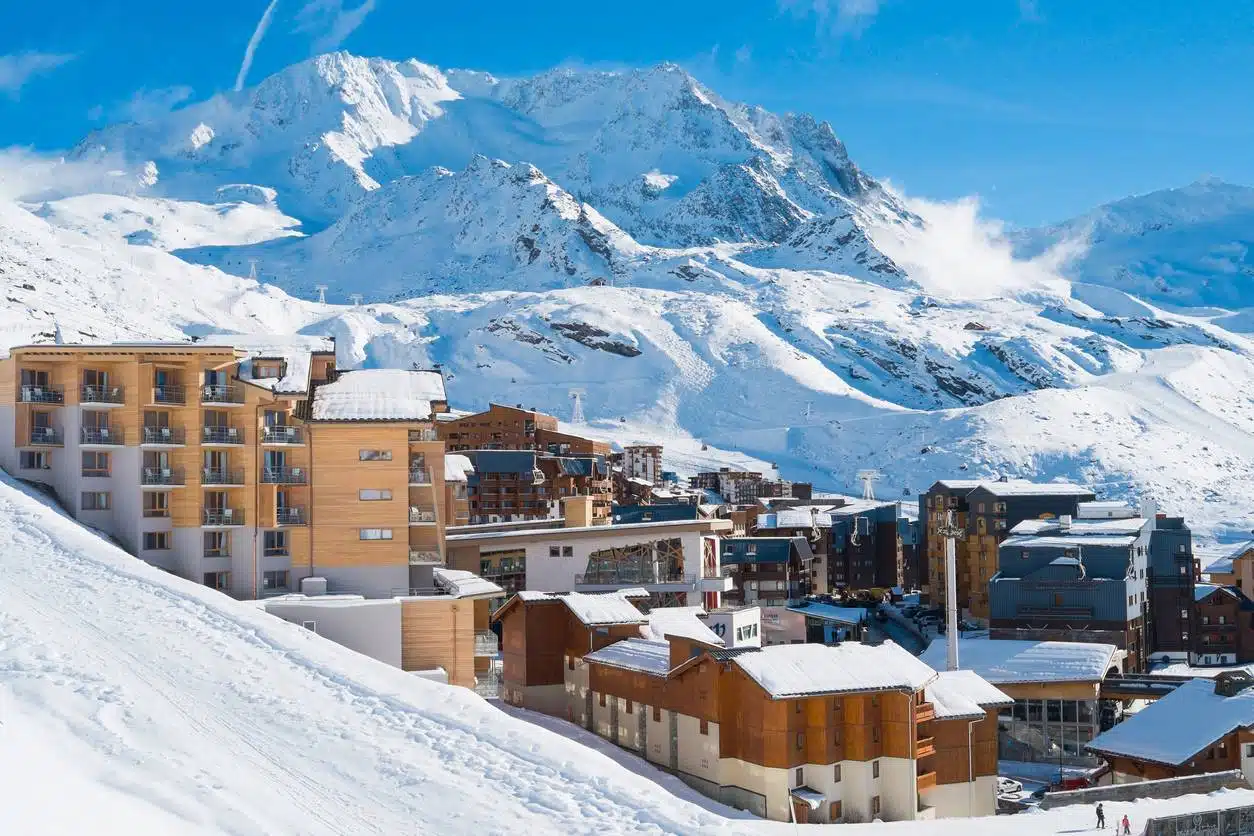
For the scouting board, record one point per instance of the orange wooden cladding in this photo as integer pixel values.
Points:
(950, 742)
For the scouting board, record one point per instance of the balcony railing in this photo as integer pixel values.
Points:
(161, 476)
(486, 643)
(221, 393)
(422, 515)
(284, 476)
(169, 436)
(419, 557)
(611, 578)
(925, 747)
(419, 476)
(222, 435)
(289, 515)
(101, 435)
(282, 434)
(170, 393)
(423, 435)
(926, 780)
(219, 551)
(46, 437)
(221, 476)
(156, 512)
(924, 712)
(42, 394)
(276, 551)
(224, 516)
(101, 394)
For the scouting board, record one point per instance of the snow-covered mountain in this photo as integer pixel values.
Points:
(705, 269)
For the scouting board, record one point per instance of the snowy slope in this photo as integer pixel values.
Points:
(162, 708)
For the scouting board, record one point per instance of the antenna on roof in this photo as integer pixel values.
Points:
(576, 409)
(868, 479)
(252, 269)
(355, 298)
(322, 293)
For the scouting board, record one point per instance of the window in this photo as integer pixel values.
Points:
(555, 551)
(1132, 600)
(1205, 620)
(374, 494)
(833, 814)
(1182, 570)
(276, 579)
(217, 544)
(275, 543)
(374, 534)
(875, 769)
(875, 738)
(875, 805)
(798, 707)
(95, 464)
(836, 774)
(603, 700)
(1184, 613)
(1222, 620)
(800, 776)
(220, 581)
(980, 507)
(570, 663)
(34, 461)
(751, 548)
(374, 455)
(96, 501)
(657, 714)
(705, 727)
(1057, 599)
(628, 706)
(875, 701)
(801, 740)
(568, 551)
(156, 541)
(999, 525)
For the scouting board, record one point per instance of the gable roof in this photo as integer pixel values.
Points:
(592, 610)
(295, 351)
(684, 622)
(1024, 487)
(796, 670)
(456, 467)
(379, 395)
(963, 695)
(641, 655)
(463, 584)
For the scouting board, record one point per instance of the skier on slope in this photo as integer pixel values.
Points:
(1101, 817)
(1127, 826)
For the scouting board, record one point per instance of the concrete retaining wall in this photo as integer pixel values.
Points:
(1165, 788)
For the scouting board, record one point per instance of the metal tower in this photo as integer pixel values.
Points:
(355, 298)
(252, 269)
(952, 532)
(322, 293)
(868, 479)
(576, 409)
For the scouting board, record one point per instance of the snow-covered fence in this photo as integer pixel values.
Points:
(1163, 788)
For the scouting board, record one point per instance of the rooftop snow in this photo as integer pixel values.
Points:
(463, 584)
(456, 467)
(1024, 488)
(791, 670)
(646, 656)
(959, 484)
(294, 351)
(1204, 590)
(592, 609)
(1175, 728)
(1049, 542)
(379, 395)
(828, 612)
(1006, 662)
(679, 621)
(963, 694)
(1104, 509)
(1082, 528)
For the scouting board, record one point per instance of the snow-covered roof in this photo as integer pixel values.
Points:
(463, 584)
(379, 395)
(1050, 542)
(963, 695)
(643, 655)
(456, 467)
(805, 516)
(1007, 661)
(1176, 727)
(845, 615)
(593, 609)
(1082, 528)
(1205, 590)
(959, 484)
(1105, 509)
(294, 350)
(1023, 487)
(679, 621)
(793, 670)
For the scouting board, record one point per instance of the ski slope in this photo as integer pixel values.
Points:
(133, 702)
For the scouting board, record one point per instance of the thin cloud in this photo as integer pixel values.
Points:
(18, 68)
(144, 104)
(329, 23)
(841, 17)
(744, 55)
(253, 43)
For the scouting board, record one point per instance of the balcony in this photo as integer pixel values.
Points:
(422, 557)
(101, 436)
(925, 747)
(214, 436)
(101, 396)
(163, 437)
(42, 394)
(156, 513)
(220, 551)
(423, 435)
(284, 476)
(46, 437)
(422, 516)
(924, 712)
(486, 643)
(276, 551)
(222, 517)
(289, 515)
(170, 394)
(282, 434)
(419, 476)
(162, 477)
(221, 393)
(221, 476)
(926, 781)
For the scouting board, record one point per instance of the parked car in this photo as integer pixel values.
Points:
(1008, 785)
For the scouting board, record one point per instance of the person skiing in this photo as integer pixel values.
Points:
(1101, 817)
(1127, 826)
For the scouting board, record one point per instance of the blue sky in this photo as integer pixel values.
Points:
(1043, 108)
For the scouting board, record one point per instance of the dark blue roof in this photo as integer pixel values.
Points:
(626, 514)
(765, 549)
(502, 461)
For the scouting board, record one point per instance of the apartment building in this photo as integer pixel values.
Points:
(797, 732)
(240, 462)
(987, 511)
(643, 461)
(517, 485)
(503, 427)
(766, 571)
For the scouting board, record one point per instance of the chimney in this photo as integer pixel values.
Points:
(1064, 522)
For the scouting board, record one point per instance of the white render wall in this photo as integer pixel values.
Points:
(698, 753)
(557, 574)
(963, 800)
(370, 627)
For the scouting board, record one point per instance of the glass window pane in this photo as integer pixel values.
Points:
(1069, 711)
(1034, 711)
(1053, 711)
(1086, 712)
